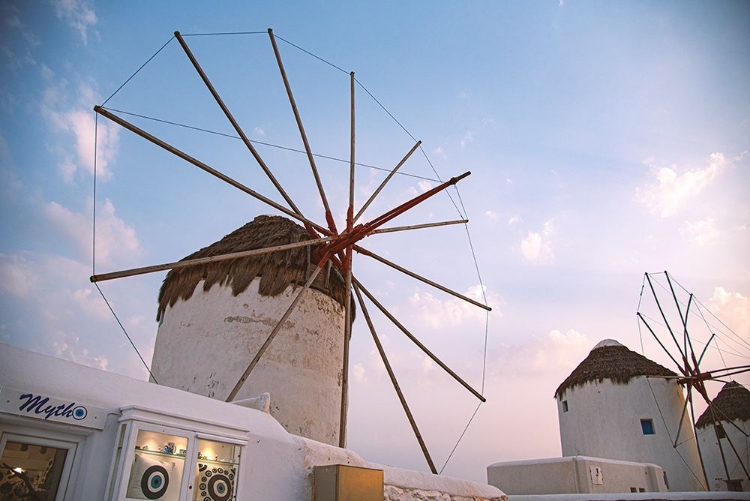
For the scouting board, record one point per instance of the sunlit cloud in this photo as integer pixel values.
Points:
(116, 241)
(17, 277)
(422, 186)
(513, 220)
(702, 232)
(557, 352)
(78, 14)
(733, 309)
(440, 313)
(79, 122)
(537, 246)
(671, 189)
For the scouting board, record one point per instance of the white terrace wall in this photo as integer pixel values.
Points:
(603, 420)
(575, 475)
(709, 445)
(277, 465)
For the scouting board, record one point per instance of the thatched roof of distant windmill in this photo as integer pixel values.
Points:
(276, 270)
(732, 403)
(611, 360)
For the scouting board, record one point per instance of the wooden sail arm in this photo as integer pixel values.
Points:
(363, 230)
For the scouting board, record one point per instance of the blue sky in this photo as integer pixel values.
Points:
(604, 140)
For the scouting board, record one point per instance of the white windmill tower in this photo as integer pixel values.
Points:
(269, 308)
(723, 431)
(608, 408)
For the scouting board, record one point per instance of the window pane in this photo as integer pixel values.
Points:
(157, 466)
(216, 471)
(30, 471)
(648, 426)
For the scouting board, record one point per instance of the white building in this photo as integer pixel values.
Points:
(619, 413)
(73, 433)
(620, 405)
(69, 432)
(723, 439)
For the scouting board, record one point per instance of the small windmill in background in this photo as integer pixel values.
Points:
(670, 314)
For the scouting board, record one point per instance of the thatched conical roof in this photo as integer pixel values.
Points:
(276, 270)
(611, 360)
(732, 403)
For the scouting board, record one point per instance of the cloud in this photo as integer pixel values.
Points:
(358, 374)
(513, 220)
(467, 138)
(78, 14)
(16, 276)
(671, 188)
(536, 247)
(440, 313)
(422, 186)
(492, 215)
(554, 353)
(733, 309)
(258, 131)
(116, 242)
(440, 152)
(12, 21)
(80, 123)
(702, 232)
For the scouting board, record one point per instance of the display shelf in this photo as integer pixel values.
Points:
(159, 453)
(218, 461)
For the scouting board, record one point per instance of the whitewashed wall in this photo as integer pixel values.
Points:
(715, 471)
(604, 420)
(205, 344)
(276, 465)
(575, 475)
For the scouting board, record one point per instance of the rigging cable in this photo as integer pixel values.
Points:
(462, 215)
(335, 159)
(136, 71)
(270, 145)
(93, 252)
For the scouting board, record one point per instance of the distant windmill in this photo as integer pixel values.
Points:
(671, 330)
(330, 247)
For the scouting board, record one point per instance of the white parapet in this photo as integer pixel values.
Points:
(575, 475)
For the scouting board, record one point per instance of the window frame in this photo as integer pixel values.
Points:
(46, 438)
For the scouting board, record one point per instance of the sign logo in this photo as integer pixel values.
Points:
(48, 408)
(39, 404)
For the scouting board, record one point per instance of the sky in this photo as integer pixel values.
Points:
(604, 140)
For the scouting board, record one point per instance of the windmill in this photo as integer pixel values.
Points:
(329, 246)
(668, 322)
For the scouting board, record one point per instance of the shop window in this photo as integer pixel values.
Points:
(158, 463)
(647, 425)
(154, 461)
(216, 470)
(31, 471)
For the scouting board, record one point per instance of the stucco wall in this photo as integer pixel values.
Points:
(715, 471)
(205, 344)
(571, 475)
(276, 464)
(604, 420)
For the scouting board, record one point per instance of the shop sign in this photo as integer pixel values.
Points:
(44, 407)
